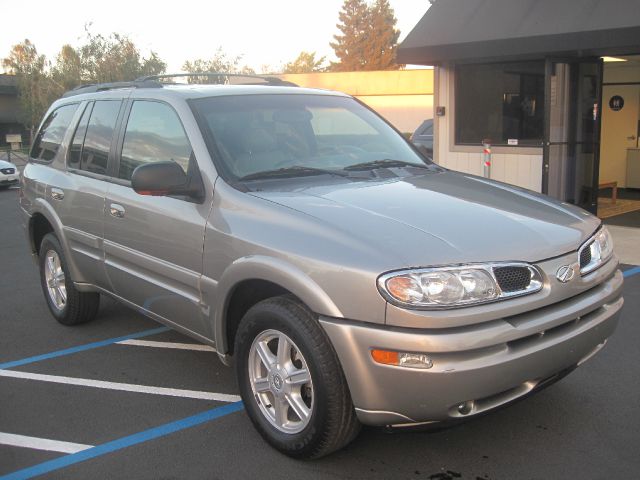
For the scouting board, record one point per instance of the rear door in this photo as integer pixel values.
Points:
(154, 245)
(77, 192)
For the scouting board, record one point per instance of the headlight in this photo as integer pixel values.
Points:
(458, 286)
(596, 251)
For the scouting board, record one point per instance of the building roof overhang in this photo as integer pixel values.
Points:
(498, 30)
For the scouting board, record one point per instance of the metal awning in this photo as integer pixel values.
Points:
(490, 30)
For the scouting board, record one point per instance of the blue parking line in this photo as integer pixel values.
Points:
(630, 272)
(81, 348)
(124, 442)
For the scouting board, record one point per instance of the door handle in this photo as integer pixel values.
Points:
(632, 137)
(57, 193)
(116, 210)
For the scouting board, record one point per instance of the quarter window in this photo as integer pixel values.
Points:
(97, 143)
(52, 132)
(154, 134)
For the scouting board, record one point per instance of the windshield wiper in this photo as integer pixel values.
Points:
(384, 163)
(294, 171)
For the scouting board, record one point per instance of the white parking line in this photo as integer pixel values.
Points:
(179, 346)
(125, 387)
(41, 443)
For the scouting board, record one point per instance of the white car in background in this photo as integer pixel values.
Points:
(9, 174)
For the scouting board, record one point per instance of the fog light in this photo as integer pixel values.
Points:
(402, 359)
(465, 408)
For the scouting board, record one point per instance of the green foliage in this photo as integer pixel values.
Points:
(306, 62)
(219, 63)
(368, 38)
(34, 86)
(99, 59)
(114, 59)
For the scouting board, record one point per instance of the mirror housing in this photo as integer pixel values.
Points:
(165, 178)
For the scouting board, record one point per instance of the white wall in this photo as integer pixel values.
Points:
(515, 165)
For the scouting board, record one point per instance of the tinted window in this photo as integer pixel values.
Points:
(500, 102)
(154, 134)
(50, 135)
(78, 138)
(97, 142)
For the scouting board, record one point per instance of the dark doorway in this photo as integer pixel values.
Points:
(572, 130)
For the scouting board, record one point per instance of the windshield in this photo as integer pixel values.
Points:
(299, 135)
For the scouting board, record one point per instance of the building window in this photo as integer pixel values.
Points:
(503, 102)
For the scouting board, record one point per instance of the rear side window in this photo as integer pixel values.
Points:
(52, 132)
(154, 134)
(75, 151)
(97, 142)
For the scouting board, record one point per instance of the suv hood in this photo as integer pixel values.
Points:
(443, 218)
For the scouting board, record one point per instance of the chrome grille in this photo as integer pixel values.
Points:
(512, 278)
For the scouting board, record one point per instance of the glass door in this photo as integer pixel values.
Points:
(572, 130)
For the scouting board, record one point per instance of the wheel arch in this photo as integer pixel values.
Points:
(44, 220)
(267, 277)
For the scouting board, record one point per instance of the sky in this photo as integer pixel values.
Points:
(263, 32)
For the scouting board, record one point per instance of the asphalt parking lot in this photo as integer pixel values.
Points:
(124, 397)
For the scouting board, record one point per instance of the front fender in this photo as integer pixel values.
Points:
(274, 270)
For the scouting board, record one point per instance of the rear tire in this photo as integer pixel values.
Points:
(304, 380)
(67, 305)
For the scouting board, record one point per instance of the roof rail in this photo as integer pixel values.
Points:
(226, 78)
(99, 87)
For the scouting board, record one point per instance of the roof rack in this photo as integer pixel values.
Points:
(153, 81)
(99, 87)
(225, 78)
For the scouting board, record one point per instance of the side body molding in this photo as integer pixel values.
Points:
(275, 270)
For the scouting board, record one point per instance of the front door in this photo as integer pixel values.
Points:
(619, 130)
(154, 245)
(572, 131)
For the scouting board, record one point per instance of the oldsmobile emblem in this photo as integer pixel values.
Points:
(565, 273)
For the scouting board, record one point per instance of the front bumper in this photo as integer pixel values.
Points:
(482, 365)
(12, 179)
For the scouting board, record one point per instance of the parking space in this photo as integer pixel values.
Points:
(124, 397)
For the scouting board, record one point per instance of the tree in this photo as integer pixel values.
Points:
(350, 45)
(219, 63)
(382, 50)
(34, 86)
(368, 39)
(100, 59)
(115, 59)
(306, 62)
(66, 74)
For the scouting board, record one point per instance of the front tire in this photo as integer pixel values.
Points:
(291, 382)
(67, 305)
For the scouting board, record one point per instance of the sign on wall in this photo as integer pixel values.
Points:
(616, 103)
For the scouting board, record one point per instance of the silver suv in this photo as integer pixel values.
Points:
(350, 280)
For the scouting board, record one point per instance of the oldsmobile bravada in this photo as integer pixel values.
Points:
(349, 279)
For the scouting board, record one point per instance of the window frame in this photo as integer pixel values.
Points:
(72, 123)
(528, 148)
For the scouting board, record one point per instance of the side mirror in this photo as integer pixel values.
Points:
(164, 178)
